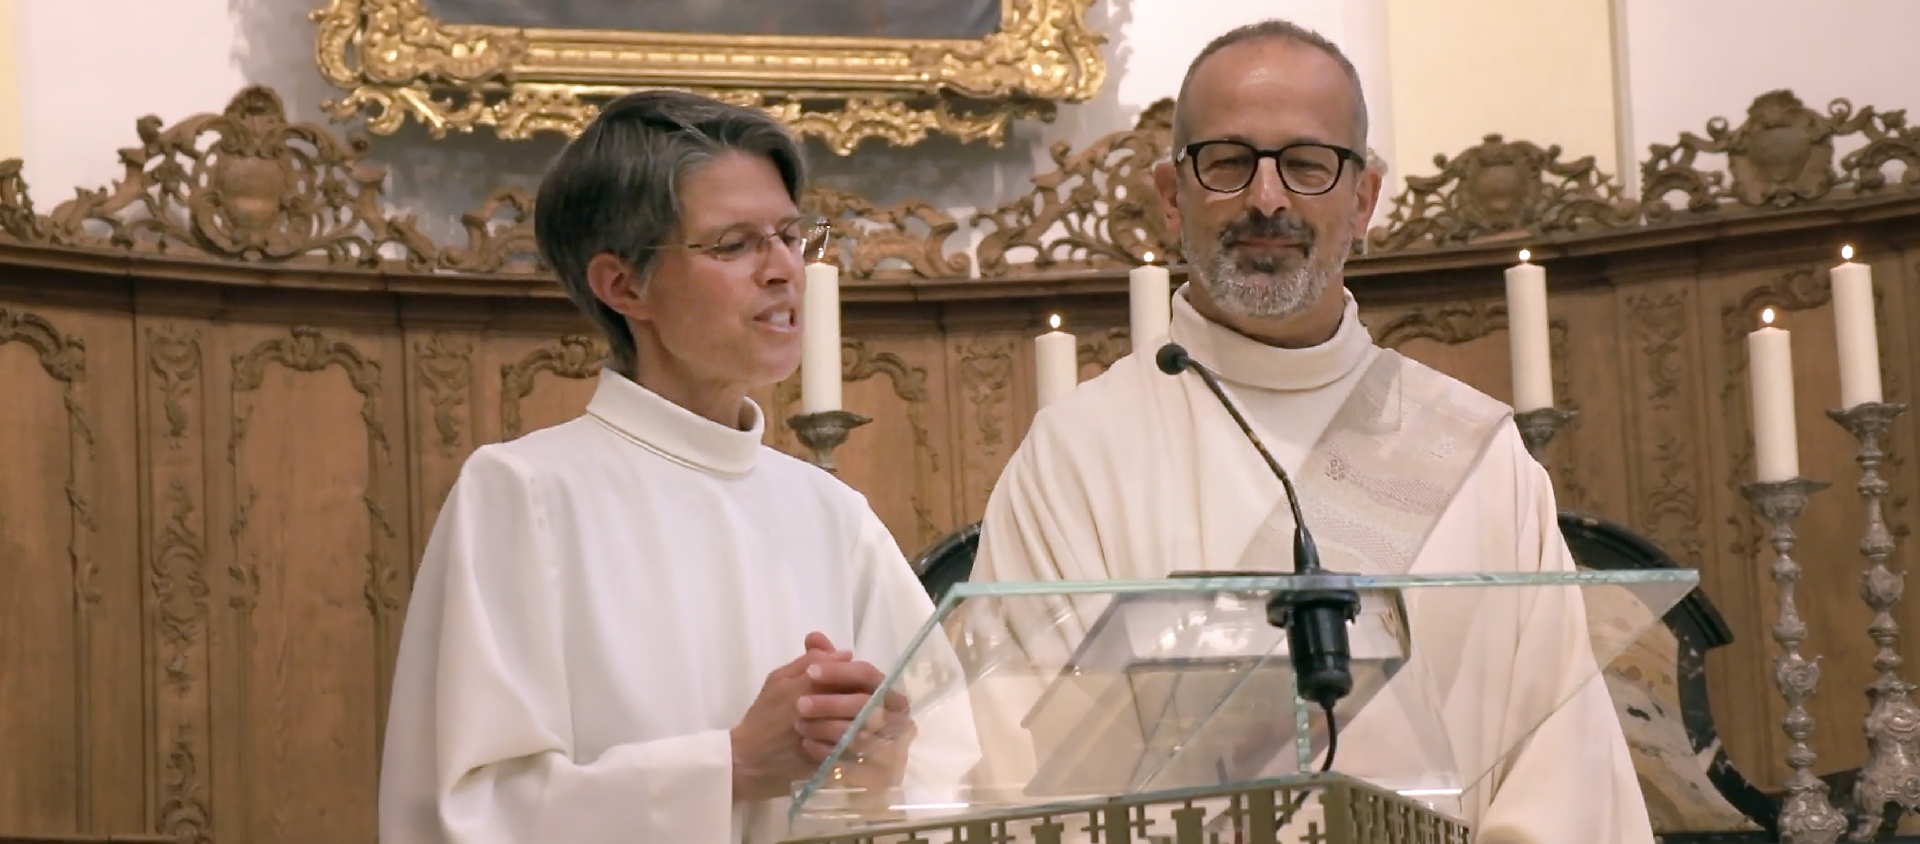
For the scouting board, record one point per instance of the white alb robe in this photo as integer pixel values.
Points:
(1137, 474)
(599, 604)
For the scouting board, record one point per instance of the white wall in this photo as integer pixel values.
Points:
(1692, 60)
(9, 84)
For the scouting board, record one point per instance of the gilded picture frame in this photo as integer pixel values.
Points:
(397, 62)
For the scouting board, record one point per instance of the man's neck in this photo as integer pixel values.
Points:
(1311, 327)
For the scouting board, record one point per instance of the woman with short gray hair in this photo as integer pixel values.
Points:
(643, 624)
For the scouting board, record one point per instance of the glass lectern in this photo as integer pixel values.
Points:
(1149, 711)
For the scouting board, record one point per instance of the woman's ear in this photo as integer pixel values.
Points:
(615, 282)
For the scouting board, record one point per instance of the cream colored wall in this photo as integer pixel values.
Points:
(9, 84)
(1700, 59)
(1536, 70)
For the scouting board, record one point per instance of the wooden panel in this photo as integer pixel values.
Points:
(316, 581)
(42, 675)
(180, 581)
(1585, 339)
(237, 630)
(70, 587)
(443, 423)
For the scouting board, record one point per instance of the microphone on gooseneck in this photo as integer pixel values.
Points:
(1315, 619)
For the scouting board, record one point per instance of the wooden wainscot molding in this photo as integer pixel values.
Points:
(1781, 157)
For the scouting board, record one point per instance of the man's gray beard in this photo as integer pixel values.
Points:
(1267, 292)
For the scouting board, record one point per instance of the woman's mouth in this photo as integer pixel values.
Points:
(782, 319)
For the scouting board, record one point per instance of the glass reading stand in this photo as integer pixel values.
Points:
(1166, 711)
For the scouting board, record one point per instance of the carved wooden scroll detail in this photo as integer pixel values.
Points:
(500, 237)
(1781, 156)
(445, 367)
(1101, 350)
(245, 184)
(1502, 189)
(248, 185)
(907, 239)
(1101, 201)
(575, 356)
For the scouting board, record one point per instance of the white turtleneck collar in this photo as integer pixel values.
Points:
(674, 432)
(1246, 361)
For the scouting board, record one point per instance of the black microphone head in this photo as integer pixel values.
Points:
(1172, 359)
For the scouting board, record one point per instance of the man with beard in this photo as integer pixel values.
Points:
(1139, 474)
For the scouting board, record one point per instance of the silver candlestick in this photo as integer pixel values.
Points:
(1807, 816)
(1538, 427)
(1892, 773)
(823, 432)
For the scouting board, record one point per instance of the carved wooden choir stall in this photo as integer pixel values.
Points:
(236, 390)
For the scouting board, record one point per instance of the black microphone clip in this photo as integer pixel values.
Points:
(1315, 619)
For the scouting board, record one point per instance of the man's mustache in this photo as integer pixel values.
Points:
(1258, 226)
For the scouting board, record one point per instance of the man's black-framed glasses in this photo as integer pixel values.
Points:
(804, 236)
(1307, 169)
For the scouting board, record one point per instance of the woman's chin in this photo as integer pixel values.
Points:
(776, 371)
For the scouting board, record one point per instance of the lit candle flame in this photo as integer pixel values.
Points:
(1846, 252)
(1525, 256)
(1148, 257)
(1766, 316)
(1054, 321)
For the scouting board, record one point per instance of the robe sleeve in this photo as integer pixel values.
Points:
(1032, 527)
(480, 742)
(1572, 781)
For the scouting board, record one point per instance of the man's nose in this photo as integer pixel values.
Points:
(1267, 193)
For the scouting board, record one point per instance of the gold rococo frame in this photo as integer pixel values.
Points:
(396, 61)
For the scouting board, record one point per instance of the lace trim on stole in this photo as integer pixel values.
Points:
(1386, 467)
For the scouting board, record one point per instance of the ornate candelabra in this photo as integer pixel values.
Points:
(823, 432)
(1538, 427)
(1807, 815)
(1892, 773)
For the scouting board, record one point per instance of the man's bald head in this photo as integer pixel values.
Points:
(1278, 30)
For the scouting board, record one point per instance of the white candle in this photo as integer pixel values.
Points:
(1149, 300)
(1056, 360)
(1776, 439)
(1527, 335)
(820, 340)
(1859, 338)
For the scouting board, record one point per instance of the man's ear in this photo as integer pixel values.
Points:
(616, 283)
(1366, 199)
(1166, 183)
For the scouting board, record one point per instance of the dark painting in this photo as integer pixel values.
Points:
(914, 19)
